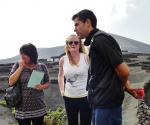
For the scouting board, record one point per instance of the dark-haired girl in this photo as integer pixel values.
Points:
(32, 108)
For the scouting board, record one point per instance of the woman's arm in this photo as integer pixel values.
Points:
(46, 80)
(15, 76)
(87, 60)
(43, 86)
(61, 76)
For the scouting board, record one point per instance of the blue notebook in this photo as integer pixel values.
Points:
(36, 78)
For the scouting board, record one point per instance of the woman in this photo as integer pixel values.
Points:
(32, 109)
(74, 67)
(143, 111)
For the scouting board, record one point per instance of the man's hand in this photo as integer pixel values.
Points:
(132, 91)
(135, 93)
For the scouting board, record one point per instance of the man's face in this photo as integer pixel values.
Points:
(81, 28)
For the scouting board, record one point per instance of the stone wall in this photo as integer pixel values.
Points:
(139, 73)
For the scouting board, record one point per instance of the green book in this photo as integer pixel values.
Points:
(36, 78)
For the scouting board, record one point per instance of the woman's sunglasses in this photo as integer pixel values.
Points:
(73, 42)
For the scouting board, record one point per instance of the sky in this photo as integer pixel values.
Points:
(47, 23)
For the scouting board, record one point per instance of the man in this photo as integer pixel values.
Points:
(108, 74)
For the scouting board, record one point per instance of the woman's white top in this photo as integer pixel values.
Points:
(76, 77)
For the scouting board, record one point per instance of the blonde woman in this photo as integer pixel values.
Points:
(74, 67)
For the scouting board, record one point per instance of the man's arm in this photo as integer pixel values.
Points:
(123, 72)
(111, 52)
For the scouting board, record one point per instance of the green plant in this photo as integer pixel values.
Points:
(3, 103)
(13, 110)
(15, 124)
(55, 117)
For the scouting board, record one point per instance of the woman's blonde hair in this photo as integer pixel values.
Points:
(82, 49)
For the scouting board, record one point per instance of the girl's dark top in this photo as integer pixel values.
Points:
(32, 99)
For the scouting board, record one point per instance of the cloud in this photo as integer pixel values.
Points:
(122, 8)
(47, 23)
(136, 24)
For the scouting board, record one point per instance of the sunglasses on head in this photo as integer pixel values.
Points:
(73, 42)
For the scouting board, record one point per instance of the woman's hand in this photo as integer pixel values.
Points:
(62, 92)
(15, 76)
(39, 87)
(21, 64)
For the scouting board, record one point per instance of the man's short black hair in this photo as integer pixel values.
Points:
(31, 51)
(85, 14)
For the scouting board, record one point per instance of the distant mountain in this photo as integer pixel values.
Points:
(131, 45)
(126, 44)
(44, 53)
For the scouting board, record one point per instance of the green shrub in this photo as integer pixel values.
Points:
(3, 103)
(55, 117)
(13, 110)
(15, 124)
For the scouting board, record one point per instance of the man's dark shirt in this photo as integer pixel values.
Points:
(105, 88)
